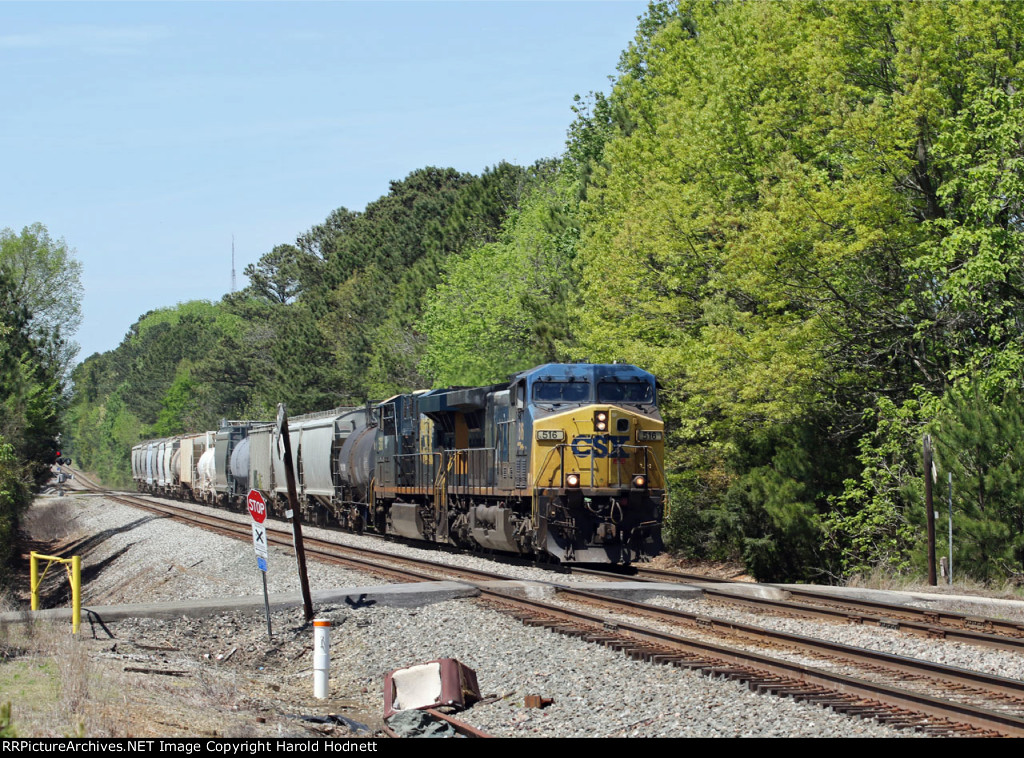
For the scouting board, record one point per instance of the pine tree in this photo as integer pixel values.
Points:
(982, 444)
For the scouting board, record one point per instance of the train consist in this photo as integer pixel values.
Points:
(564, 461)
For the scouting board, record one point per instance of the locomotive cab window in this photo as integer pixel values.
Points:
(561, 392)
(387, 420)
(625, 392)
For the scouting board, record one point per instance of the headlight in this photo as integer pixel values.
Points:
(572, 480)
(639, 482)
(600, 421)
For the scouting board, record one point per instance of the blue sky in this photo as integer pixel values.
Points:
(146, 134)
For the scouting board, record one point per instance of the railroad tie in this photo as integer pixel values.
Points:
(665, 659)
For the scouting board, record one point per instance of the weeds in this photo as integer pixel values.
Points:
(49, 677)
(49, 521)
(962, 585)
(11, 644)
(6, 722)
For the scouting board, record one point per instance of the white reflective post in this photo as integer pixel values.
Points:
(321, 657)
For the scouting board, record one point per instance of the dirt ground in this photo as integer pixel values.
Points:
(210, 677)
(734, 572)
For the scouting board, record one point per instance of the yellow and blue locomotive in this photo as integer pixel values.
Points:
(565, 460)
(562, 461)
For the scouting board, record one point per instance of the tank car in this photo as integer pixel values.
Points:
(231, 482)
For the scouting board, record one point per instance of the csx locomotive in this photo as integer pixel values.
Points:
(564, 461)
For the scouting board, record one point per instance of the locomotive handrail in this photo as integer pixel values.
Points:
(544, 465)
(474, 459)
(477, 462)
(647, 458)
(420, 468)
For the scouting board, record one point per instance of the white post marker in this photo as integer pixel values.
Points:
(321, 657)
(258, 510)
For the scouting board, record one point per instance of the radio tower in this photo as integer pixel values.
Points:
(232, 263)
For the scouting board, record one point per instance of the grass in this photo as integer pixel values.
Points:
(962, 585)
(49, 680)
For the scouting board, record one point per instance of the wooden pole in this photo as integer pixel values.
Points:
(296, 514)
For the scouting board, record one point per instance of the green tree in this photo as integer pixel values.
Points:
(281, 275)
(14, 501)
(31, 386)
(811, 211)
(44, 277)
(981, 443)
(178, 369)
(502, 307)
(33, 363)
(870, 525)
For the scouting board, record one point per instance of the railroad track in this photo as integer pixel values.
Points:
(902, 692)
(810, 604)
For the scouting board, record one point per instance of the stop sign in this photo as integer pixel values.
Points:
(257, 508)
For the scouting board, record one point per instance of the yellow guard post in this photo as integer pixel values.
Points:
(73, 566)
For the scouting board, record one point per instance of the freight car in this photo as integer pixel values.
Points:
(564, 461)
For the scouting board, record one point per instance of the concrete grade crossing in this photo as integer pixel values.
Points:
(396, 595)
(416, 594)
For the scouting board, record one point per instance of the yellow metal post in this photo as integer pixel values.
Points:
(76, 593)
(33, 572)
(73, 566)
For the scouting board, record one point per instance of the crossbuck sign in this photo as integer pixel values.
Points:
(258, 511)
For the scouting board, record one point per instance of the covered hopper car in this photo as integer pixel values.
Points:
(564, 461)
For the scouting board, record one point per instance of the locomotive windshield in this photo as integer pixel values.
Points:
(625, 392)
(561, 392)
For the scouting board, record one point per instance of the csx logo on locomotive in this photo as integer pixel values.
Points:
(600, 445)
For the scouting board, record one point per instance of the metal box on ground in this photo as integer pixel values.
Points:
(442, 683)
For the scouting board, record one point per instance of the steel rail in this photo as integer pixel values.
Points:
(924, 622)
(1004, 686)
(977, 717)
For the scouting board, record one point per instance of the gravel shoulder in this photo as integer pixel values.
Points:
(221, 675)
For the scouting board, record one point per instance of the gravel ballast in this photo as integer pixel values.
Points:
(130, 556)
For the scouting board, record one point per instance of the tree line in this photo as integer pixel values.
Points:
(40, 309)
(804, 217)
